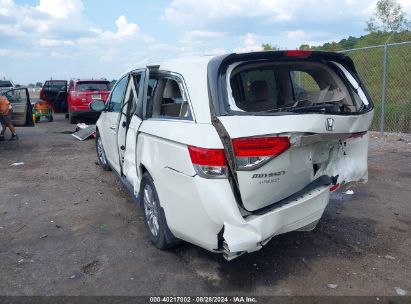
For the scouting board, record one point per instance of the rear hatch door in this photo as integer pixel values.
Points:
(88, 91)
(54, 92)
(291, 123)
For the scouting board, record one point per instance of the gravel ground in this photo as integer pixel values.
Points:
(69, 228)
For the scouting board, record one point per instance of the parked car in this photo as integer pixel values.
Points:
(22, 108)
(227, 152)
(81, 93)
(6, 85)
(54, 92)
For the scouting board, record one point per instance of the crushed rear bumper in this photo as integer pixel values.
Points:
(301, 213)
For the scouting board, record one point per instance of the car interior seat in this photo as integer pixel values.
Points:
(259, 99)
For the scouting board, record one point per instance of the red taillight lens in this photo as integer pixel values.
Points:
(263, 146)
(298, 53)
(334, 187)
(207, 157)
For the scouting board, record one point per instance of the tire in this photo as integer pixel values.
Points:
(71, 117)
(50, 118)
(101, 154)
(37, 119)
(154, 218)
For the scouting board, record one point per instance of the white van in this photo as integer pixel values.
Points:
(227, 152)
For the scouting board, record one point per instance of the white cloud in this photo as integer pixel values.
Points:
(200, 35)
(295, 34)
(4, 52)
(49, 18)
(6, 7)
(19, 54)
(250, 44)
(216, 51)
(125, 31)
(54, 42)
(126, 28)
(58, 55)
(201, 12)
(61, 9)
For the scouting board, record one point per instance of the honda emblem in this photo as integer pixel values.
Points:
(329, 124)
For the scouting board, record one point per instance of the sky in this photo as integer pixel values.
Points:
(64, 39)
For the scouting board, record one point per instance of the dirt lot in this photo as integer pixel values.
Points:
(69, 228)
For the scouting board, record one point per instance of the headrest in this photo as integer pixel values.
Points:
(259, 90)
(172, 90)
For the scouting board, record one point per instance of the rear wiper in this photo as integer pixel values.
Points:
(279, 109)
(312, 108)
(292, 107)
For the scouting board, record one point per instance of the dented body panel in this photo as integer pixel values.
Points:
(239, 208)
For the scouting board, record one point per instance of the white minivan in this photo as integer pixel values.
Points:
(227, 152)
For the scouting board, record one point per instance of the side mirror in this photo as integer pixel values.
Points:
(97, 105)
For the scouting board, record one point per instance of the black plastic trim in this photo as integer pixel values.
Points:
(322, 181)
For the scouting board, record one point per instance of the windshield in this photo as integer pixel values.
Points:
(291, 87)
(93, 86)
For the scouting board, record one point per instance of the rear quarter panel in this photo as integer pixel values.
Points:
(162, 150)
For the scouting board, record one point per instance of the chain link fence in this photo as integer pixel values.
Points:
(386, 72)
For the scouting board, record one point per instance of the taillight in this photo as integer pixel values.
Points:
(334, 187)
(298, 53)
(208, 163)
(253, 152)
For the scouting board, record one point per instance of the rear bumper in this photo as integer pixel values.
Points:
(207, 207)
(84, 112)
(256, 230)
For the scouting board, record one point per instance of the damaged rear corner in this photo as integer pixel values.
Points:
(301, 211)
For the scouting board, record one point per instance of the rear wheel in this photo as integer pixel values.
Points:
(71, 117)
(154, 217)
(101, 154)
(50, 118)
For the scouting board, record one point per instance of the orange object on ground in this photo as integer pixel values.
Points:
(41, 109)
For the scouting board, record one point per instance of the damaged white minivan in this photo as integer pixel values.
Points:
(227, 152)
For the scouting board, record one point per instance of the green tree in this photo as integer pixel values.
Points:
(389, 17)
(304, 47)
(269, 47)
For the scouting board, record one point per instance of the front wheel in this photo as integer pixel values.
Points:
(101, 154)
(154, 218)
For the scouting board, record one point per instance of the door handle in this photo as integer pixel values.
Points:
(113, 127)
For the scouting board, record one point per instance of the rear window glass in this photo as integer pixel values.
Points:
(5, 84)
(55, 85)
(286, 86)
(93, 86)
(255, 89)
(303, 82)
